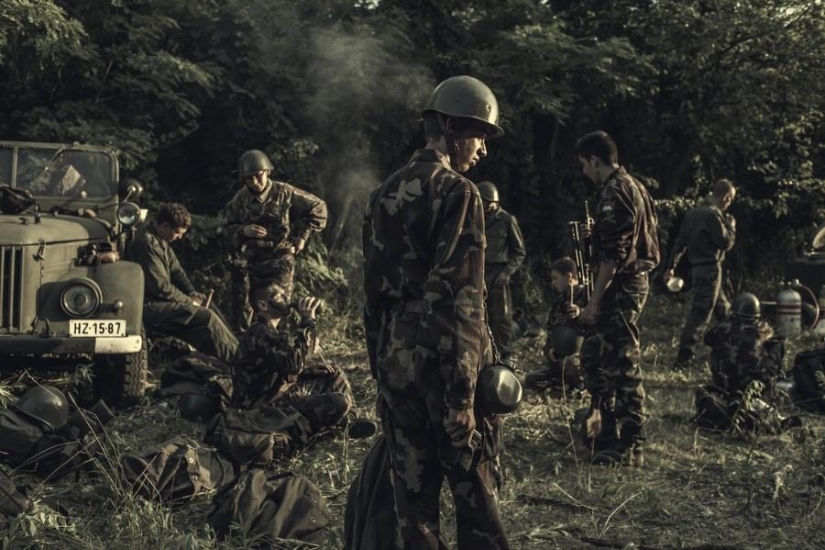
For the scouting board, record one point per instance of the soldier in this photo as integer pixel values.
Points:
(172, 306)
(424, 318)
(273, 368)
(707, 232)
(270, 222)
(743, 351)
(504, 255)
(625, 249)
(564, 332)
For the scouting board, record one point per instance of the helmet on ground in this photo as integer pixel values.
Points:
(252, 162)
(488, 191)
(194, 406)
(746, 306)
(466, 97)
(46, 404)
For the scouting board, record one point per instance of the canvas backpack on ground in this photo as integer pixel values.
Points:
(198, 374)
(175, 471)
(809, 381)
(255, 437)
(261, 505)
(18, 437)
(369, 518)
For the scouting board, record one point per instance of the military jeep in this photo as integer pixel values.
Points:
(66, 297)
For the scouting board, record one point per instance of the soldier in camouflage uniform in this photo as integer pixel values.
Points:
(273, 369)
(564, 332)
(625, 249)
(503, 256)
(425, 324)
(743, 351)
(707, 232)
(172, 306)
(269, 222)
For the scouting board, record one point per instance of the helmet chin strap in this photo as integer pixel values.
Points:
(450, 138)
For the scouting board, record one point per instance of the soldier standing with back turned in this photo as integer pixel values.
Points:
(270, 222)
(625, 250)
(425, 324)
(504, 255)
(707, 232)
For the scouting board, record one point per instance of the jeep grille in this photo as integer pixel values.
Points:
(11, 275)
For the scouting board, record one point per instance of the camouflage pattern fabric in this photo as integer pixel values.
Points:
(289, 214)
(743, 351)
(705, 234)
(423, 243)
(272, 368)
(168, 308)
(504, 254)
(611, 356)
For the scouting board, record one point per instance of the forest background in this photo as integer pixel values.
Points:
(332, 90)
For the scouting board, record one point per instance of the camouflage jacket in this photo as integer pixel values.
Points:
(287, 213)
(269, 362)
(706, 233)
(163, 277)
(742, 352)
(558, 309)
(505, 243)
(423, 243)
(626, 227)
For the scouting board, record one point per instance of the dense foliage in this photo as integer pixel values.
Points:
(692, 90)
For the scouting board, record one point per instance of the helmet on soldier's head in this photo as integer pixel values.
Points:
(466, 97)
(46, 404)
(488, 191)
(746, 306)
(252, 162)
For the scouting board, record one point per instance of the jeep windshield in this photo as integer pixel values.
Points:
(58, 172)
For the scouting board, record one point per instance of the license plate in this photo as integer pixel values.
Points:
(92, 328)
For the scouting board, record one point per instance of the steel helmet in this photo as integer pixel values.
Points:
(488, 191)
(46, 404)
(746, 306)
(466, 97)
(252, 162)
(498, 390)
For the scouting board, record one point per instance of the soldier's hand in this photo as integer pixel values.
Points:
(254, 231)
(198, 298)
(459, 425)
(298, 245)
(586, 228)
(589, 313)
(573, 311)
(668, 275)
(550, 353)
(731, 221)
(307, 306)
(501, 280)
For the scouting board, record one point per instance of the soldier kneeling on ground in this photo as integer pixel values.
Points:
(746, 359)
(564, 333)
(272, 367)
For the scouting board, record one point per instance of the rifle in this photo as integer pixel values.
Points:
(582, 251)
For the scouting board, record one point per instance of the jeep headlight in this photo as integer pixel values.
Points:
(128, 214)
(80, 298)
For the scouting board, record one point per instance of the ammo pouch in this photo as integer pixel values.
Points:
(178, 471)
(265, 507)
(254, 437)
(12, 501)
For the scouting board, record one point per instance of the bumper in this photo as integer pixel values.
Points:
(32, 345)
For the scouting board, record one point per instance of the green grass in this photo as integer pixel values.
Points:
(697, 489)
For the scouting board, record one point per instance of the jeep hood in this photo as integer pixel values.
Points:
(22, 229)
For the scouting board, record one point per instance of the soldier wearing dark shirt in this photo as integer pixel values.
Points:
(272, 367)
(172, 306)
(625, 250)
(503, 256)
(707, 232)
(565, 332)
(269, 222)
(424, 319)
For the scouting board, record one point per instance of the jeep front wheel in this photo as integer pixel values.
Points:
(120, 380)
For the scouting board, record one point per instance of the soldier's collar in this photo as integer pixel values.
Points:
(433, 155)
(264, 196)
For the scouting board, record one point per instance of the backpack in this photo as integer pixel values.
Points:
(809, 378)
(255, 437)
(369, 518)
(199, 374)
(18, 437)
(265, 506)
(12, 501)
(178, 471)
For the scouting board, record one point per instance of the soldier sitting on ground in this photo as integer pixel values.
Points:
(745, 361)
(273, 369)
(564, 332)
(171, 304)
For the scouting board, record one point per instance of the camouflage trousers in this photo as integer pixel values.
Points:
(611, 356)
(325, 399)
(200, 327)
(413, 435)
(708, 299)
(564, 372)
(279, 270)
(500, 312)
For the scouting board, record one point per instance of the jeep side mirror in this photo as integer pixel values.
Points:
(130, 188)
